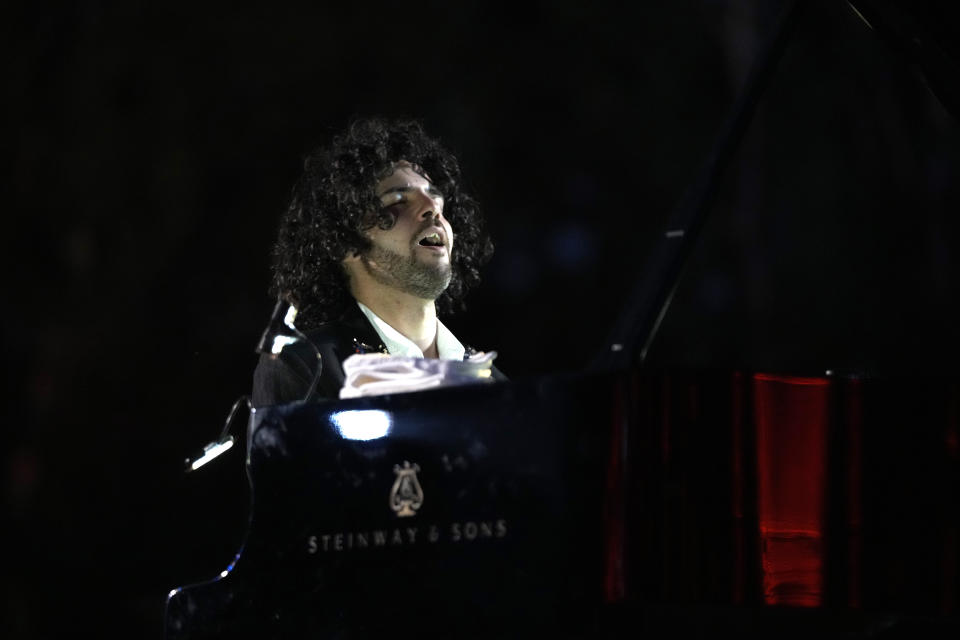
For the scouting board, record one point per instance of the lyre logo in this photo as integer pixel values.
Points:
(406, 495)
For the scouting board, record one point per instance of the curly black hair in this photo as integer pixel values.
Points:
(335, 201)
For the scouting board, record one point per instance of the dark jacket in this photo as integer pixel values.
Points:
(286, 377)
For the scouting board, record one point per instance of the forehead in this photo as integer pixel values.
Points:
(404, 174)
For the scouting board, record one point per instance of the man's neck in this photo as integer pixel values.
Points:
(413, 317)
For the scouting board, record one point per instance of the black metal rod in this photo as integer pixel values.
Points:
(636, 328)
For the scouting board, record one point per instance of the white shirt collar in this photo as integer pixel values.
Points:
(448, 347)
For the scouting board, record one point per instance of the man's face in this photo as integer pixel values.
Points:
(414, 254)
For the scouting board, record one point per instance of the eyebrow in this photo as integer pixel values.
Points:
(409, 187)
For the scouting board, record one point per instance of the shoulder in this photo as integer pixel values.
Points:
(289, 375)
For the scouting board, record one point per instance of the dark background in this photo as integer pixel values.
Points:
(154, 146)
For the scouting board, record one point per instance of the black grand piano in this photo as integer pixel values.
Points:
(751, 503)
(619, 501)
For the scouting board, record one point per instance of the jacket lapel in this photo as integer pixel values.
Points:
(360, 335)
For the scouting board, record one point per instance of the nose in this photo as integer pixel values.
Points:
(430, 207)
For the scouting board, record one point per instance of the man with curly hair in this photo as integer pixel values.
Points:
(366, 253)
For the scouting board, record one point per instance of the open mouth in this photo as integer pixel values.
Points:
(432, 240)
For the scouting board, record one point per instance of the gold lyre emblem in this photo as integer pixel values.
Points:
(406, 495)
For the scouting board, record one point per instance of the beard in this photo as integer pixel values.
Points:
(407, 273)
